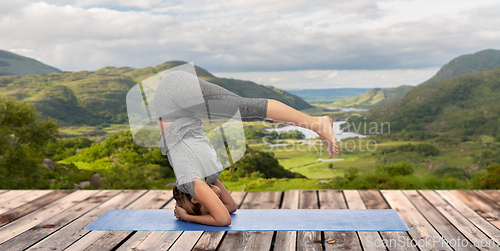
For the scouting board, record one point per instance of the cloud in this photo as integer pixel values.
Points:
(360, 7)
(333, 74)
(11, 7)
(240, 36)
(321, 79)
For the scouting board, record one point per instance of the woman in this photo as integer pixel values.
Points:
(200, 196)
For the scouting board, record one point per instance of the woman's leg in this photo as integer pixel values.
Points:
(269, 110)
(180, 94)
(283, 114)
(224, 103)
(221, 102)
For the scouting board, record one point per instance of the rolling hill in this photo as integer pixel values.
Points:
(375, 97)
(464, 105)
(98, 97)
(12, 64)
(479, 61)
(328, 94)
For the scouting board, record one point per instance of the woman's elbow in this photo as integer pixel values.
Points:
(224, 222)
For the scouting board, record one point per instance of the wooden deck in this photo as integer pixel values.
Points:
(56, 220)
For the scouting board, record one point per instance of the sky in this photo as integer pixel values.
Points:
(290, 44)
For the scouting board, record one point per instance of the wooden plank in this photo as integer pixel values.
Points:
(21, 199)
(448, 231)
(337, 240)
(134, 241)
(186, 241)
(9, 195)
(481, 204)
(76, 229)
(442, 217)
(11, 230)
(309, 240)
(152, 240)
(161, 239)
(46, 228)
(369, 239)
(25, 209)
(253, 240)
(392, 240)
(151, 200)
(108, 237)
(210, 239)
(287, 240)
(421, 231)
(465, 205)
(494, 195)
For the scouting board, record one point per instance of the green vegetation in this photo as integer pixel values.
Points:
(424, 149)
(62, 149)
(464, 106)
(22, 140)
(64, 177)
(258, 164)
(12, 64)
(454, 172)
(400, 168)
(374, 98)
(489, 180)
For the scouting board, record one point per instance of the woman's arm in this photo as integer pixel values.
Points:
(219, 215)
(226, 197)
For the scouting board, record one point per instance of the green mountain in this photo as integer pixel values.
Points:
(375, 97)
(98, 97)
(464, 105)
(17, 65)
(479, 61)
(328, 94)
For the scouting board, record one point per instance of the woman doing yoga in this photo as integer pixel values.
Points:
(200, 196)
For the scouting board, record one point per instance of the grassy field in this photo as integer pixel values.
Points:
(303, 158)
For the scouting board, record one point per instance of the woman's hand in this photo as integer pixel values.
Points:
(218, 216)
(180, 213)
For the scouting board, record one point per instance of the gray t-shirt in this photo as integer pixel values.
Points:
(178, 98)
(190, 153)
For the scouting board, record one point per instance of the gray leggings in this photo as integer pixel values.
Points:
(218, 101)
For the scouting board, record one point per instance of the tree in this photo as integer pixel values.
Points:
(22, 141)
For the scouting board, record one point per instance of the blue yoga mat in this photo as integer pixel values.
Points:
(255, 220)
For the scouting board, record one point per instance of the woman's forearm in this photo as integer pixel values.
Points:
(206, 219)
(226, 198)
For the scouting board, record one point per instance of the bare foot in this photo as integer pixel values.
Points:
(327, 136)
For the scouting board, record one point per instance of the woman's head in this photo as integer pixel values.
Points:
(185, 201)
(190, 204)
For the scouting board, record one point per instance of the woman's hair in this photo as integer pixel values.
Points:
(184, 201)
